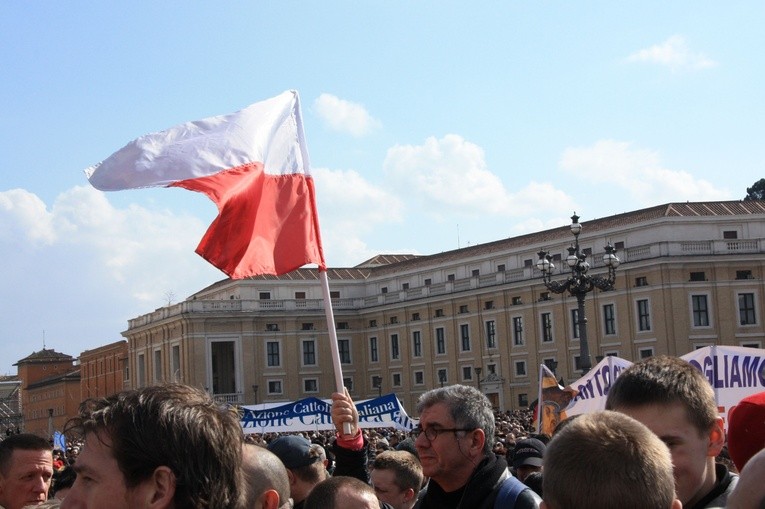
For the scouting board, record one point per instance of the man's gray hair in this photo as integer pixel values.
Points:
(468, 407)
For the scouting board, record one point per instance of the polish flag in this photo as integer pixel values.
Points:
(254, 165)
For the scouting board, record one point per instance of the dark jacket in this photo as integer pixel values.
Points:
(480, 491)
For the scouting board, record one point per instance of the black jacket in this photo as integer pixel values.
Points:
(480, 491)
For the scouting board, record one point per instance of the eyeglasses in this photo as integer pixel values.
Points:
(432, 433)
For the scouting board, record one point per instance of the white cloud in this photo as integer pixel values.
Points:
(450, 176)
(638, 173)
(344, 116)
(147, 251)
(673, 53)
(23, 213)
(350, 207)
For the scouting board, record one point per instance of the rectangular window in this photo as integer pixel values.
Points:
(272, 327)
(501, 267)
(264, 295)
(416, 344)
(176, 363)
(343, 325)
(394, 347)
(439, 313)
(547, 334)
(344, 349)
(644, 315)
(415, 317)
(348, 382)
(518, 330)
(299, 295)
(641, 281)
(609, 319)
(405, 286)
(730, 234)
(274, 386)
(309, 352)
(419, 377)
(467, 373)
(272, 354)
(489, 304)
(746, 312)
(393, 319)
(517, 301)
(374, 355)
(645, 353)
(463, 309)
(698, 276)
(700, 311)
(428, 282)
(575, 323)
(307, 326)
(440, 341)
(373, 323)
(442, 377)
(523, 400)
(491, 334)
(310, 385)
(577, 363)
(520, 368)
(396, 379)
(475, 273)
(157, 365)
(465, 337)
(744, 274)
(335, 294)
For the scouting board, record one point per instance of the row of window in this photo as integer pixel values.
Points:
(700, 317)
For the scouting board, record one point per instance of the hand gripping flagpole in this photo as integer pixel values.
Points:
(333, 340)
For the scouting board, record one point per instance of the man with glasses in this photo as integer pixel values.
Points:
(453, 440)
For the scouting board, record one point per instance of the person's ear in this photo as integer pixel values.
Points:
(716, 438)
(269, 499)
(291, 477)
(161, 488)
(478, 439)
(408, 494)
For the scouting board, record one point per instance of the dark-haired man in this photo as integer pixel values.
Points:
(675, 401)
(26, 470)
(161, 447)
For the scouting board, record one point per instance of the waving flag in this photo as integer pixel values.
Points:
(254, 165)
(553, 401)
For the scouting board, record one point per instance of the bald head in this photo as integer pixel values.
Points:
(263, 472)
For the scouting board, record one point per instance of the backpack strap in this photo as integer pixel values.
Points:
(508, 493)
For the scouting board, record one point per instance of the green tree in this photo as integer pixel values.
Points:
(756, 192)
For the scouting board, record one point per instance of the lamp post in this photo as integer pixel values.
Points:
(579, 283)
(255, 390)
(377, 384)
(442, 377)
(478, 370)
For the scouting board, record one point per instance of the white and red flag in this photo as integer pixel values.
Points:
(254, 165)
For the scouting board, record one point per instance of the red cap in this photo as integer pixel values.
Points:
(746, 429)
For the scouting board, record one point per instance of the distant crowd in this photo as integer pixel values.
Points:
(660, 443)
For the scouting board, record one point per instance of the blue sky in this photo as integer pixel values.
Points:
(430, 125)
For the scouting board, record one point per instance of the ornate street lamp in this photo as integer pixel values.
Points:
(478, 370)
(579, 283)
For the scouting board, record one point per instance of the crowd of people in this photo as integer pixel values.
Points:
(660, 443)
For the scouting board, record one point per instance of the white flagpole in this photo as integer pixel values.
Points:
(333, 340)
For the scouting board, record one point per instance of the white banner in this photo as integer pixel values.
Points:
(593, 387)
(733, 371)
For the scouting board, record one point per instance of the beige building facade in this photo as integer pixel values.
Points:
(691, 276)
